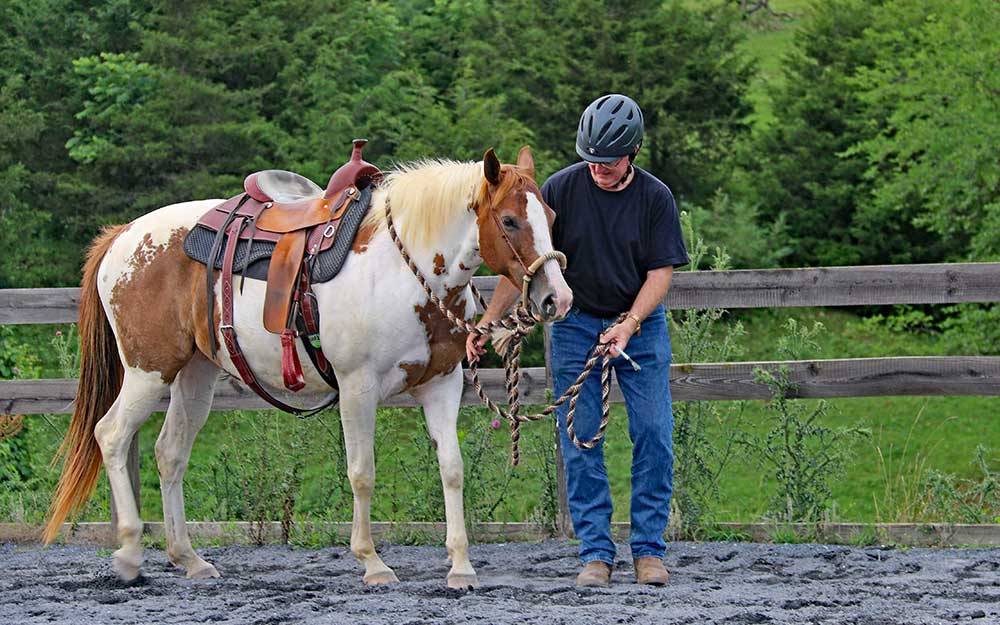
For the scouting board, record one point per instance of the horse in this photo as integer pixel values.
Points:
(143, 329)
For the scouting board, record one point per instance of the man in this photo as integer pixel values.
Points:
(619, 228)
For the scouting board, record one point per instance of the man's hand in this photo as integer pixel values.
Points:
(618, 336)
(475, 346)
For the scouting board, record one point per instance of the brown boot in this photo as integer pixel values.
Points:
(649, 570)
(594, 574)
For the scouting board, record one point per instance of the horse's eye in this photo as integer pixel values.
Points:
(509, 223)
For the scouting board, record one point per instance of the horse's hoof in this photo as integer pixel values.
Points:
(202, 570)
(125, 566)
(381, 579)
(463, 581)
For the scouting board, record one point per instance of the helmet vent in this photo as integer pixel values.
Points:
(604, 131)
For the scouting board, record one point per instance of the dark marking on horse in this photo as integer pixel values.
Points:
(362, 238)
(154, 328)
(446, 342)
(439, 264)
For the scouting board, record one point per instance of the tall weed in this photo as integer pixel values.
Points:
(797, 452)
(705, 432)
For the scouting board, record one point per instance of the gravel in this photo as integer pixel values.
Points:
(717, 583)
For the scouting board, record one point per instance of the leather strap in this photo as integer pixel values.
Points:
(229, 333)
(308, 322)
(220, 234)
(291, 368)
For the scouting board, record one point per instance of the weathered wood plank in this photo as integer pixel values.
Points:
(853, 377)
(56, 396)
(837, 286)
(749, 288)
(856, 377)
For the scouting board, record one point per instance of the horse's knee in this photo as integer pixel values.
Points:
(168, 463)
(452, 473)
(362, 481)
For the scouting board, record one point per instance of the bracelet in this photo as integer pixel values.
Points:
(638, 323)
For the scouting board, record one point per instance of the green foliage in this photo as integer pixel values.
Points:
(735, 225)
(885, 146)
(934, 155)
(136, 104)
(701, 454)
(118, 85)
(798, 452)
(66, 347)
(259, 472)
(791, 535)
(973, 329)
(793, 166)
(16, 362)
(959, 500)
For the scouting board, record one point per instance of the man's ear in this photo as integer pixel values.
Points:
(491, 167)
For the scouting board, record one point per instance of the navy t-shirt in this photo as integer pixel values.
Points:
(611, 239)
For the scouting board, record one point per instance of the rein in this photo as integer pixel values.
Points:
(519, 322)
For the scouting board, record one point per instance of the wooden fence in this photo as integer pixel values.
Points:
(831, 286)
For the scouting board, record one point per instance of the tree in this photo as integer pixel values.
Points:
(933, 157)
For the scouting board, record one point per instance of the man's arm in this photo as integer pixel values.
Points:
(503, 298)
(653, 290)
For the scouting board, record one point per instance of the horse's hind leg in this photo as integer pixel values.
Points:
(357, 415)
(139, 394)
(190, 402)
(440, 402)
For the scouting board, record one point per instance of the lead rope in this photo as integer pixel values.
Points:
(519, 322)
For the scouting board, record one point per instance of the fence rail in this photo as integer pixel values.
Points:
(745, 288)
(855, 377)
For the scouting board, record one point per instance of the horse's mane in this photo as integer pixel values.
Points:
(432, 193)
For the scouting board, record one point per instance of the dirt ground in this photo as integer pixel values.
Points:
(724, 583)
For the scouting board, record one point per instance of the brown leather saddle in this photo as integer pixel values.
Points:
(301, 220)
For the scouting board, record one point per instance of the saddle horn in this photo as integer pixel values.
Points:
(356, 171)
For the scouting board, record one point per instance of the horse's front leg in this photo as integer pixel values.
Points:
(358, 402)
(440, 400)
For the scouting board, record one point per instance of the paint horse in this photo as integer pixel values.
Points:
(143, 311)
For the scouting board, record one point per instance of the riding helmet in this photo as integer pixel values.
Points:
(610, 128)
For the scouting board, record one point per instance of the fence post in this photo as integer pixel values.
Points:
(132, 466)
(563, 525)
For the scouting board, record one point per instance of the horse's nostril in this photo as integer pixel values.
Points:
(549, 306)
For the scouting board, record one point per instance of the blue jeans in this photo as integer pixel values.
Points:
(650, 426)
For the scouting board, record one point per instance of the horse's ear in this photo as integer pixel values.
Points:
(491, 166)
(525, 161)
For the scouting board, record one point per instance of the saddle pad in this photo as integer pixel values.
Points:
(328, 263)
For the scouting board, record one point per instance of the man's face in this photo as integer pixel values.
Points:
(607, 175)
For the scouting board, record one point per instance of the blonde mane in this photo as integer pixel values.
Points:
(430, 194)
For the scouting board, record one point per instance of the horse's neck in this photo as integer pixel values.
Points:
(450, 261)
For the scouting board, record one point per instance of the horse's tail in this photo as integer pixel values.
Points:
(99, 384)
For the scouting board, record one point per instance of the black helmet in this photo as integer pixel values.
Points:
(610, 128)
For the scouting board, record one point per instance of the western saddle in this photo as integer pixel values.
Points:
(302, 221)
